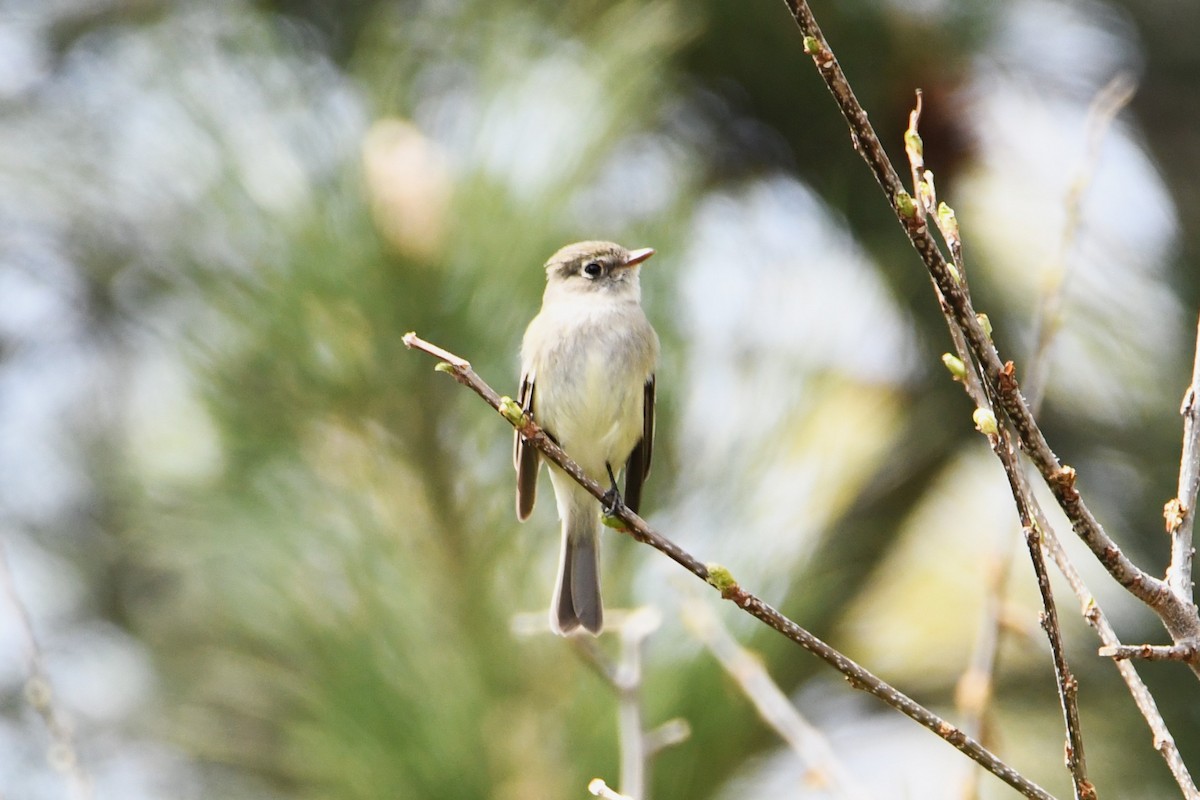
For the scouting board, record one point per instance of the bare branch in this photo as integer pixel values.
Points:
(634, 751)
(1068, 687)
(1180, 512)
(719, 578)
(769, 700)
(1163, 741)
(1151, 652)
(1179, 617)
(1108, 102)
(624, 676)
(976, 679)
(626, 680)
(973, 693)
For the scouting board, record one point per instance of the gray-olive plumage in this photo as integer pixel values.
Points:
(587, 377)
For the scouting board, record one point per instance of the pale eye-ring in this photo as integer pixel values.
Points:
(592, 269)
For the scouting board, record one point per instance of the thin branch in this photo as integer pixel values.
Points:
(1179, 617)
(719, 578)
(1068, 687)
(771, 703)
(624, 676)
(964, 370)
(1162, 739)
(1001, 442)
(1108, 102)
(635, 753)
(974, 691)
(625, 679)
(1180, 512)
(63, 755)
(1150, 652)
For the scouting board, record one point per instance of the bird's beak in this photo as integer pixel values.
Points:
(638, 256)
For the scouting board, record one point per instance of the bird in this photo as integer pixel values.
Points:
(587, 378)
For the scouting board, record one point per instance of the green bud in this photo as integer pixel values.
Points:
(812, 45)
(444, 366)
(954, 274)
(720, 578)
(985, 421)
(947, 221)
(984, 323)
(614, 522)
(913, 144)
(511, 411)
(953, 363)
(905, 204)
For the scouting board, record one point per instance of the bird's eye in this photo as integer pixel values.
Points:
(592, 269)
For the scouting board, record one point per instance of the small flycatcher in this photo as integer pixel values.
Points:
(587, 377)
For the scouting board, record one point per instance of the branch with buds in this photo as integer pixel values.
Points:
(1176, 610)
(723, 581)
(1002, 410)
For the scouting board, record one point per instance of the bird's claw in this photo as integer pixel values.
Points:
(611, 503)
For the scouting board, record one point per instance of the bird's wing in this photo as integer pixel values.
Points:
(637, 468)
(525, 455)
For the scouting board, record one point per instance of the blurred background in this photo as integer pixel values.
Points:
(269, 553)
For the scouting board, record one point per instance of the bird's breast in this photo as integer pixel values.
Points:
(590, 377)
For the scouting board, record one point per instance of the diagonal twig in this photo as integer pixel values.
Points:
(1068, 687)
(772, 704)
(719, 578)
(1001, 442)
(973, 691)
(1027, 510)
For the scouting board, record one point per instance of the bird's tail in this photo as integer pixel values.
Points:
(576, 600)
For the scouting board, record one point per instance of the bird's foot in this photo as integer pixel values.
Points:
(611, 503)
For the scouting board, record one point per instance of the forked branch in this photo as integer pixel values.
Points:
(1177, 614)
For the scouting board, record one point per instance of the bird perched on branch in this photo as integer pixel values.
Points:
(587, 378)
